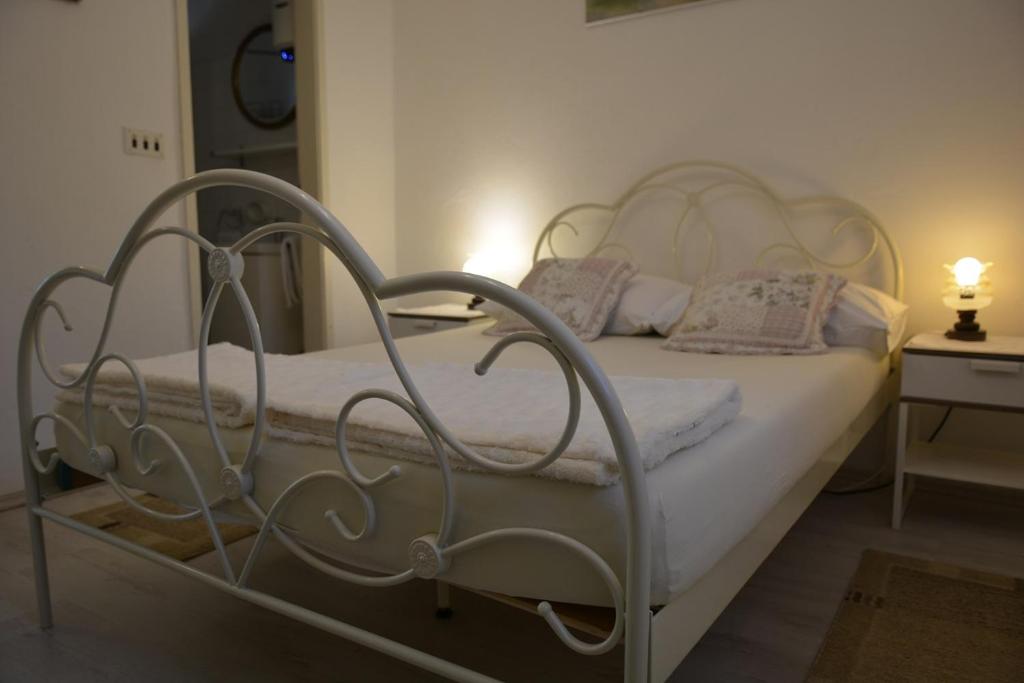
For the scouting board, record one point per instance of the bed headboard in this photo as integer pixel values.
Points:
(695, 217)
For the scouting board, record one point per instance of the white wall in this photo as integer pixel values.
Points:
(509, 111)
(358, 149)
(72, 74)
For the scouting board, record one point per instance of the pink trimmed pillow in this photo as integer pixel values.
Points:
(757, 312)
(581, 292)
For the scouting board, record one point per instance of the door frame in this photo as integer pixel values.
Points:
(310, 135)
(188, 163)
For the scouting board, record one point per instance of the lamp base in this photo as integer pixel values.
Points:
(980, 335)
(966, 329)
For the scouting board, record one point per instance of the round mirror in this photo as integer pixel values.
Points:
(263, 80)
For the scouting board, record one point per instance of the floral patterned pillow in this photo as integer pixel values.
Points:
(757, 312)
(581, 292)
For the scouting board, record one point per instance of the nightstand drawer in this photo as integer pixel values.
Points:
(963, 380)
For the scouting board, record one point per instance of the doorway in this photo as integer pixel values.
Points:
(244, 98)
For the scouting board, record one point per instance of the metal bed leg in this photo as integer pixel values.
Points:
(35, 530)
(892, 420)
(444, 600)
(899, 500)
(35, 533)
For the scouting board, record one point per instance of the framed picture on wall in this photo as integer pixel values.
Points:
(599, 11)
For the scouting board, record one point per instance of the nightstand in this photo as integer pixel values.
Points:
(406, 322)
(985, 375)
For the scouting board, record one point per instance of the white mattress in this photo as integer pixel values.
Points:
(704, 499)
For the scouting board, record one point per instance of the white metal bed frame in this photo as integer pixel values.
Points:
(655, 641)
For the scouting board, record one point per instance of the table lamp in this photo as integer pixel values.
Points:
(968, 293)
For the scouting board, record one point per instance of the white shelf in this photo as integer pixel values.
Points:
(964, 463)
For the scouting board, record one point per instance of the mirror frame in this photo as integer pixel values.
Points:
(236, 87)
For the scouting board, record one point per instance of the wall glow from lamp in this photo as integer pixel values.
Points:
(493, 263)
(502, 239)
(482, 263)
(501, 245)
(969, 292)
(504, 262)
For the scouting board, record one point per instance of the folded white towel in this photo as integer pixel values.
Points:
(511, 416)
(508, 415)
(172, 383)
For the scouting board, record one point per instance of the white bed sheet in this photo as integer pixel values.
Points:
(704, 499)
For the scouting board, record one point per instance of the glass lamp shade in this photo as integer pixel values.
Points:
(960, 303)
(968, 288)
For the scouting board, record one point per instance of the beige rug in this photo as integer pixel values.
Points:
(180, 540)
(906, 619)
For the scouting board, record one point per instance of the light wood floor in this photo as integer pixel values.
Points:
(119, 618)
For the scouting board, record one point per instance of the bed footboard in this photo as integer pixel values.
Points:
(430, 555)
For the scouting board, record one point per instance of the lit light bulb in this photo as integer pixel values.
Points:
(967, 272)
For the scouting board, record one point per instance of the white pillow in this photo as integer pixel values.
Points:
(864, 316)
(669, 313)
(641, 299)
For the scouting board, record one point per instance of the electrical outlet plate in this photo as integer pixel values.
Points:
(143, 143)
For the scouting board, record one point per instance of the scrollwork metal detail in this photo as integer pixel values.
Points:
(691, 203)
(224, 265)
(35, 457)
(431, 554)
(427, 559)
(544, 608)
